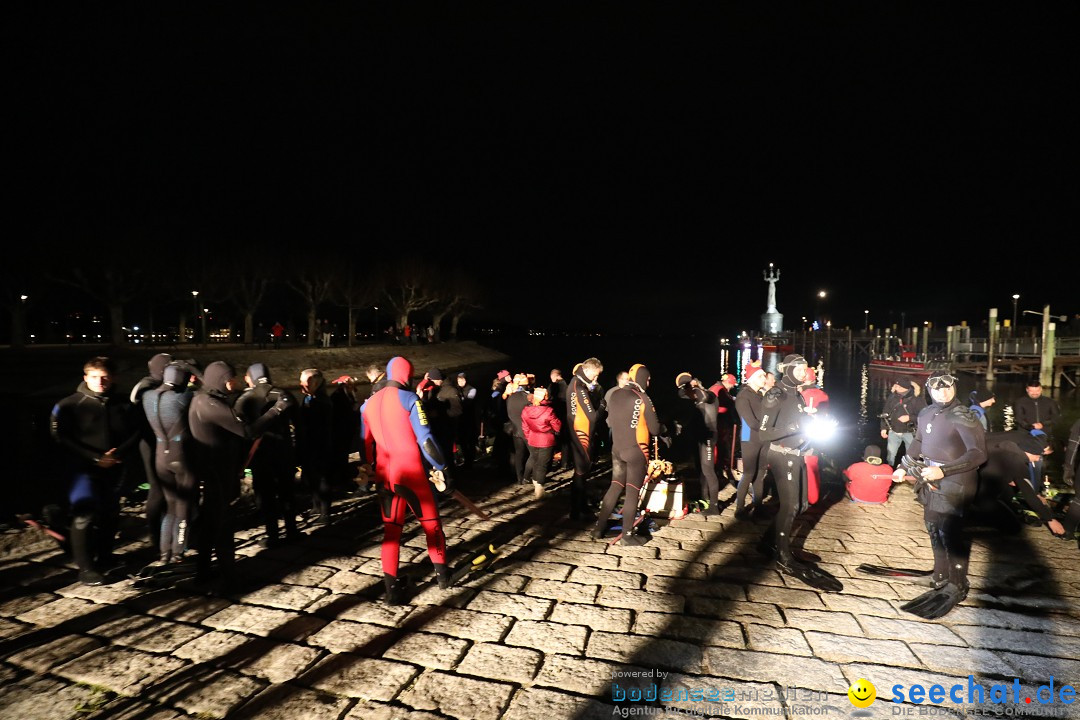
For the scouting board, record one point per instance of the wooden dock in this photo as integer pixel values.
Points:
(1066, 367)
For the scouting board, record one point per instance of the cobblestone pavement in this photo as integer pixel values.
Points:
(557, 627)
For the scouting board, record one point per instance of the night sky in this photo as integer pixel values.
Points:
(616, 166)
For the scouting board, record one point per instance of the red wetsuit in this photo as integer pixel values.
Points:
(396, 434)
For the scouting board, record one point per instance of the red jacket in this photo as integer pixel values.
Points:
(869, 483)
(540, 425)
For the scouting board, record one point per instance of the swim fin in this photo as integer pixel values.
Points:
(911, 575)
(936, 603)
(768, 548)
(810, 574)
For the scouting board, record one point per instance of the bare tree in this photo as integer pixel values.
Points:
(410, 288)
(355, 290)
(315, 285)
(247, 292)
(457, 294)
(467, 296)
(114, 283)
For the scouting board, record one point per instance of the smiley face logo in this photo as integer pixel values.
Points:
(862, 693)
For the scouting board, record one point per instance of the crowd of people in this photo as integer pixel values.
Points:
(196, 432)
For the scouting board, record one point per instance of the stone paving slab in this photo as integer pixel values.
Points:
(458, 696)
(48, 699)
(546, 632)
(122, 670)
(207, 693)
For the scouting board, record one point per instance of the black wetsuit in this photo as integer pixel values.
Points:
(782, 417)
(949, 436)
(582, 414)
(557, 396)
(1007, 463)
(495, 421)
(314, 429)
(155, 498)
(755, 453)
(462, 414)
(87, 425)
(633, 422)
(703, 429)
(215, 460)
(515, 403)
(166, 411)
(273, 461)
(346, 433)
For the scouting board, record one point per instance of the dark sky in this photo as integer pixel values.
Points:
(616, 166)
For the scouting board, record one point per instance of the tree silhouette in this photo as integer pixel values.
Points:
(315, 285)
(355, 289)
(410, 288)
(114, 282)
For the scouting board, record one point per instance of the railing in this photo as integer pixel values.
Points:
(1017, 347)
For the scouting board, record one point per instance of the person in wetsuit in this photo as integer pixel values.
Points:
(727, 419)
(755, 453)
(783, 422)
(166, 410)
(398, 441)
(273, 459)
(702, 429)
(95, 429)
(517, 399)
(461, 397)
(949, 447)
(345, 439)
(556, 393)
(1009, 470)
(582, 413)
(215, 463)
(155, 498)
(314, 435)
(633, 422)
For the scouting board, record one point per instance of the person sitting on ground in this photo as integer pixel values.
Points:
(869, 480)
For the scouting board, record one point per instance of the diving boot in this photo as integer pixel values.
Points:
(442, 574)
(397, 590)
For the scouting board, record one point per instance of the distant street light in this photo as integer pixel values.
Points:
(866, 321)
(376, 323)
(204, 312)
(1015, 298)
(194, 312)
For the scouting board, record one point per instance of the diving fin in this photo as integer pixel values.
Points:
(768, 548)
(810, 574)
(911, 575)
(936, 603)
